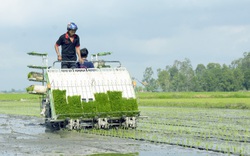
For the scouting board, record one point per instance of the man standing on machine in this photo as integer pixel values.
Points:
(70, 45)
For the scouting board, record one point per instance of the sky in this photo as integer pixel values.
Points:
(141, 33)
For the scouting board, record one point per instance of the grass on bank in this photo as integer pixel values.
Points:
(27, 104)
(18, 97)
(20, 104)
(231, 100)
(20, 108)
(191, 95)
(229, 103)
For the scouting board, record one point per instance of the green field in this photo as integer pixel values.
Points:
(27, 104)
(20, 104)
(18, 97)
(231, 100)
(192, 95)
(215, 121)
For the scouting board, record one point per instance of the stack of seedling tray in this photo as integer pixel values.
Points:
(36, 89)
(35, 76)
(110, 104)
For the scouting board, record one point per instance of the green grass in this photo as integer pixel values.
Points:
(27, 104)
(29, 108)
(18, 97)
(20, 104)
(195, 95)
(234, 103)
(232, 100)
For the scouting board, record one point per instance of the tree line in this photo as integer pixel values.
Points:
(181, 77)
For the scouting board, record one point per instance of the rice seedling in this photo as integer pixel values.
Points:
(212, 132)
(29, 108)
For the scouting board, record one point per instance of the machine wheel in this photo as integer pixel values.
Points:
(47, 111)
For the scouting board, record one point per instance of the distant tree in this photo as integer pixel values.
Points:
(244, 65)
(200, 77)
(163, 80)
(181, 76)
(186, 71)
(173, 77)
(212, 77)
(238, 79)
(151, 83)
(226, 83)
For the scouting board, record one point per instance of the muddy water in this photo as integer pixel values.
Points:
(24, 135)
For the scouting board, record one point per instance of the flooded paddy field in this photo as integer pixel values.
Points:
(222, 131)
(217, 130)
(166, 131)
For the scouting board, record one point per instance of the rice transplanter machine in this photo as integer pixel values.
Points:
(102, 97)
